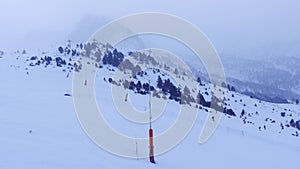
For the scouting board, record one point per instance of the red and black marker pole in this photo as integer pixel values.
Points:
(151, 153)
(151, 146)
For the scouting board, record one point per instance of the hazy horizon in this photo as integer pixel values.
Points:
(234, 27)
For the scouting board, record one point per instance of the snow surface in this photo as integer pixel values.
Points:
(39, 128)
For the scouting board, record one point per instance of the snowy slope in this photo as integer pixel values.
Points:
(39, 127)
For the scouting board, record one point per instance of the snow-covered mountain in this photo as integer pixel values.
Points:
(40, 129)
(274, 79)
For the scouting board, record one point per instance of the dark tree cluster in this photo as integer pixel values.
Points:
(33, 58)
(199, 81)
(231, 88)
(142, 73)
(168, 87)
(47, 60)
(229, 112)
(183, 97)
(113, 58)
(60, 62)
(141, 88)
(295, 124)
(68, 51)
(201, 100)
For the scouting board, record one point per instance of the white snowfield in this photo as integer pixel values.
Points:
(39, 128)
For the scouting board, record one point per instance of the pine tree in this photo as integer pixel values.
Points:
(176, 72)
(131, 85)
(242, 113)
(232, 89)
(146, 87)
(109, 58)
(159, 82)
(199, 81)
(138, 86)
(60, 49)
(186, 91)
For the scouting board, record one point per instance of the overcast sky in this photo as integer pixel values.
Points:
(232, 25)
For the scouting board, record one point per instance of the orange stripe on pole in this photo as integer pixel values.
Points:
(151, 139)
(151, 153)
(150, 133)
